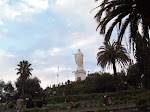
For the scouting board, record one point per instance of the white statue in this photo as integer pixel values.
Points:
(79, 59)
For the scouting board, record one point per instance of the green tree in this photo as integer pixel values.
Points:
(2, 85)
(123, 13)
(104, 83)
(134, 78)
(132, 14)
(31, 87)
(9, 87)
(8, 90)
(24, 71)
(112, 54)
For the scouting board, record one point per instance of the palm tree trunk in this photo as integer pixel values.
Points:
(115, 75)
(22, 88)
(147, 72)
(146, 11)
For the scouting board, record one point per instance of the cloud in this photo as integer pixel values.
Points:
(1, 22)
(39, 53)
(37, 4)
(5, 54)
(50, 75)
(58, 29)
(3, 32)
(7, 66)
(74, 8)
(7, 10)
(20, 8)
(46, 53)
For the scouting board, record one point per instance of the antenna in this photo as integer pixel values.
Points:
(57, 75)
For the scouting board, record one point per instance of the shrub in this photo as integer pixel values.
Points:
(125, 97)
(64, 108)
(46, 110)
(101, 110)
(141, 100)
(75, 105)
(54, 107)
(141, 104)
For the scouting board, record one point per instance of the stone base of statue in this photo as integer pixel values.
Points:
(80, 74)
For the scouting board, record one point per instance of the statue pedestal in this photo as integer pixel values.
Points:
(80, 74)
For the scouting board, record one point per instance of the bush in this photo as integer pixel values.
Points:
(75, 105)
(64, 108)
(126, 97)
(141, 104)
(141, 100)
(101, 110)
(123, 95)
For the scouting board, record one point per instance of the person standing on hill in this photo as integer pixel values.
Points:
(39, 103)
(19, 105)
(73, 100)
(30, 103)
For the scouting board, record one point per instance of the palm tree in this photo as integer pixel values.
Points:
(110, 55)
(25, 71)
(124, 13)
(146, 11)
(143, 60)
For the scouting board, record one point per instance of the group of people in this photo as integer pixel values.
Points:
(29, 103)
(107, 100)
(7, 104)
(73, 100)
(50, 93)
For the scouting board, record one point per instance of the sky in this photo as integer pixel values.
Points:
(47, 33)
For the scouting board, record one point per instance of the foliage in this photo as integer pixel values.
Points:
(141, 104)
(75, 105)
(25, 71)
(134, 74)
(110, 52)
(32, 110)
(111, 11)
(125, 98)
(64, 108)
(31, 87)
(2, 84)
(6, 90)
(141, 100)
(99, 83)
(94, 83)
(110, 55)
(8, 87)
(128, 94)
(104, 83)
(142, 55)
(124, 14)
(101, 110)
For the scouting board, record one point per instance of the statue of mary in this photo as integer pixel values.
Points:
(79, 59)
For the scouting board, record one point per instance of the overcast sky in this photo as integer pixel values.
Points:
(46, 33)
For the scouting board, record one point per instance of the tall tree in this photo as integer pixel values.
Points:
(31, 87)
(110, 55)
(24, 71)
(124, 14)
(134, 77)
(143, 60)
(9, 87)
